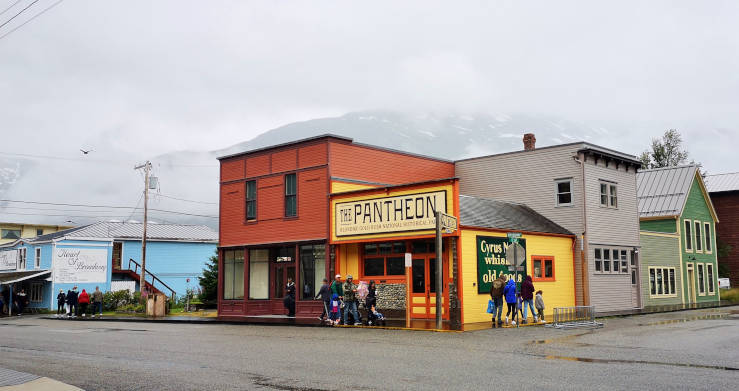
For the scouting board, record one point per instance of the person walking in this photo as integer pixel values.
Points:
(97, 302)
(72, 301)
(84, 300)
(496, 295)
(510, 298)
(325, 294)
(350, 301)
(61, 299)
(527, 295)
(539, 302)
(338, 290)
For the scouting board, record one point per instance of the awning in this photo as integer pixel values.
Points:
(13, 277)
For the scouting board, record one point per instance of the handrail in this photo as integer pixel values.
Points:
(153, 277)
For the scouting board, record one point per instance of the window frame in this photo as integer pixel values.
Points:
(247, 200)
(707, 238)
(39, 231)
(544, 259)
(557, 182)
(709, 278)
(385, 256)
(293, 196)
(36, 292)
(613, 196)
(669, 282)
(22, 260)
(598, 260)
(687, 223)
(5, 231)
(318, 274)
(701, 273)
(610, 194)
(698, 235)
(37, 258)
(233, 262)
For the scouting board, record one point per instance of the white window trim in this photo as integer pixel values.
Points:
(37, 258)
(698, 234)
(22, 259)
(709, 283)
(665, 283)
(706, 241)
(556, 192)
(691, 236)
(36, 298)
(608, 194)
(700, 268)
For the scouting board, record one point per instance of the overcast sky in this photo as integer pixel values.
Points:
(147, 77)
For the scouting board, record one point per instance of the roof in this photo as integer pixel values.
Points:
(662, 192)
(584, 146)
(722, 182)
(126, 230)
(487, 213)
(17, 276)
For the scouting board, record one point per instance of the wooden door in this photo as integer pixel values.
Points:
(423, 288)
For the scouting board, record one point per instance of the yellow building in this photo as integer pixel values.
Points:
(10, 232)
(387, 234)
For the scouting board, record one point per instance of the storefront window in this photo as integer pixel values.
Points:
(312, 269)
(259, 274)
(374, 266)
(233, 274)
(384, 259)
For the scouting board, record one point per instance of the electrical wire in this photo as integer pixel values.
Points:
(186, 200)
(30, 19)
(88, 160)
(9, 7)
(21, 11)
(108, 207)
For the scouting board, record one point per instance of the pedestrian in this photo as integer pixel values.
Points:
(496, 295)
(97, 302)
(540, 306)
(527, 295)
(350, 301)
(289, 300)
(519, 307)
(325, 294)
(84, 300)
(371, 299)
(61, 299)
(21, 301)
(72, 301)
(375, 318)
(510, 298)
(335, 312)
(338, 290)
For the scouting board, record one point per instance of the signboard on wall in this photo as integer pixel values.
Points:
(8, 259)
(491, 261)
(79, 265)
(408, 212)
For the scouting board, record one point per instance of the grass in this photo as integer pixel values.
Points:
(731, 295)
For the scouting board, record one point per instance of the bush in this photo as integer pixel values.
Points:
(731, 295)
(113, 300)
(131, 308)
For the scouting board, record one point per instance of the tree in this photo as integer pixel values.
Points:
(665, 152)
(209, 280)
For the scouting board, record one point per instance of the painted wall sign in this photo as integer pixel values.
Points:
(78, 265)
(8, 259)
(491, 261)
(408, 212)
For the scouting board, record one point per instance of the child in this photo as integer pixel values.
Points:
(375, 318)
(334, 314)
(540, 306)
(519, 309)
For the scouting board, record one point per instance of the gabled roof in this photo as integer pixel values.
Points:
(487, 213)
(662, 192)
(722, 182)
(125, 230)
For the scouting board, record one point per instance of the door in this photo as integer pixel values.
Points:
(423, 288)
(691, 284)
(117, 255)
(280, 271)
(634, 281)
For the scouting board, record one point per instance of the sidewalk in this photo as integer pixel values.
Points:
(11, 380)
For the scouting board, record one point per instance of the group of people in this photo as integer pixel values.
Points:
(517, 302)
(20, 301)
(343, 298)
(73, 304)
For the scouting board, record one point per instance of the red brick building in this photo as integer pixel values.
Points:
(724, 190)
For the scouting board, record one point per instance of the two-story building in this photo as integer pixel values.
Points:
(10, 232)
(724, 191)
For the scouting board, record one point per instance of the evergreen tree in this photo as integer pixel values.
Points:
(209, 280)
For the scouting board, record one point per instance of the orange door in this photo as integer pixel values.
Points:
(423, 288)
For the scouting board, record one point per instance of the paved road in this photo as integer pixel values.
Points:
(673, 351)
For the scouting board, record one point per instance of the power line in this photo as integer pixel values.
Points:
(16, 15)
(137, 206)
(11, 6)
(86, 160)
(30, 19)
(186, 200)
(108, 207)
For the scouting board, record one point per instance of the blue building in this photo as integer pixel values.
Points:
(107, 255)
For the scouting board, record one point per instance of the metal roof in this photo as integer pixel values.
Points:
(487, 213)
(663, 191)
(126, 230)
(722, 182)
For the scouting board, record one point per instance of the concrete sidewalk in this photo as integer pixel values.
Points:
(11, 380)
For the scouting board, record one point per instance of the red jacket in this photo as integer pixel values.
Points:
(84, 298)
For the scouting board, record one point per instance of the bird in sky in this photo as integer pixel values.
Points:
(85, 152)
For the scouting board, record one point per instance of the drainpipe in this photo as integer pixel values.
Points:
(583, 244)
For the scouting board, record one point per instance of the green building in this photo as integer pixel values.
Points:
(678, 238)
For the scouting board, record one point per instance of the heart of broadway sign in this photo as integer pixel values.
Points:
(408, 212)
(8, 259)
(78, 265)
(491, 261)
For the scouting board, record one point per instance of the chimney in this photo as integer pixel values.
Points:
(529, 142)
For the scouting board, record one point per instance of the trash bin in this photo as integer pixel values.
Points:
(156, 304)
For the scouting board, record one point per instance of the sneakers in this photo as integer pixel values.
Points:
(357, 324)
(513, 323)
(506, 320)
(536, 319)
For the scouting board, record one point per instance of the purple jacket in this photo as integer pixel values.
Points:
(527, 289)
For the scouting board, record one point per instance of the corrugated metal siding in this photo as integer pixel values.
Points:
(662, 252)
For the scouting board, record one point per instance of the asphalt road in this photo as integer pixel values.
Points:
(663, 351)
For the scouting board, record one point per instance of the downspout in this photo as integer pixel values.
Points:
(583, 244)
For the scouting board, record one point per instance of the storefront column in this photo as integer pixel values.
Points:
(455, 310)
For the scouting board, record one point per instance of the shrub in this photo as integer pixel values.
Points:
(731, 295)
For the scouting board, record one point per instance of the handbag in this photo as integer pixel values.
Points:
(491, 307)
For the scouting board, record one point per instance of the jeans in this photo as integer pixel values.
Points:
(59, 308)
(530, 303)
(97, 307)
(350, 306)
(498, 308)
(73, 309)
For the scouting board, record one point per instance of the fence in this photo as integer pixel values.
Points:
(574, 317)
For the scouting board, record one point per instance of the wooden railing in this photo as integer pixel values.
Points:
(137, 270)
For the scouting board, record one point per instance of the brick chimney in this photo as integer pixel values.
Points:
(529, 142)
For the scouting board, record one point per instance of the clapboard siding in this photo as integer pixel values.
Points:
(617, 226)
(660, 251)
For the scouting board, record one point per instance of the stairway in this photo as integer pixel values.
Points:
(153, 283)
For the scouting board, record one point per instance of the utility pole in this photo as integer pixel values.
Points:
(142, 281)
(439, 271)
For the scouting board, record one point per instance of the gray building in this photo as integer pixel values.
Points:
(587, 189)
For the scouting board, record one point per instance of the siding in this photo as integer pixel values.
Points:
(341, 187)
(660, 251)
(727, 209)
(696, 209)
(663, 225)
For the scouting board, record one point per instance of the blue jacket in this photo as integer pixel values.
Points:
(510, 291)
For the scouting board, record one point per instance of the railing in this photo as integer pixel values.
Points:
(574, 317)
(153, 277)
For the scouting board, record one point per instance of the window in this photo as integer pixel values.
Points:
(707, 234)
(709, 271)
(598, 260)
(39, 231)
(698, 239)
(662, 281)
(608, 195)
(251, 200)
(259, 274)
(22, 258)
(603, 194)
(543, 268)
(612, 261)
(564, 192)
(606, 261)
(312, 269)
(384, 259)
(633, 268)
(624, 262)
(613, 196)
(233, 274)
(701, 280)
(10, 234)
(291, 191)
(37, 292)
(688, 236)
(37, 258)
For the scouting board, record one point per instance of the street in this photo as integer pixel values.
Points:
(682, 350)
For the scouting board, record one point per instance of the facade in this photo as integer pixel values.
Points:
(724, 191)
(10, 232)
(588, 190)
(106, 254)
(678, 231)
